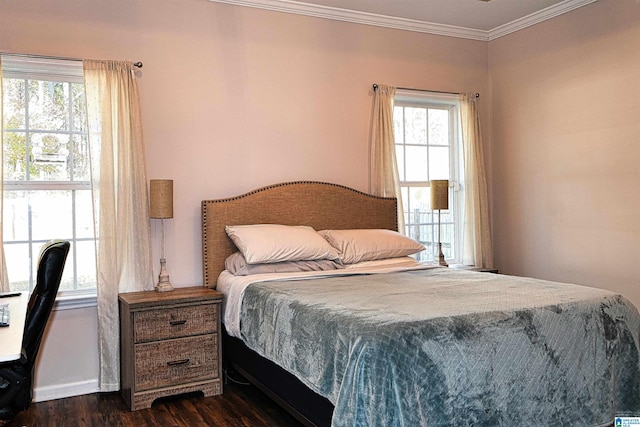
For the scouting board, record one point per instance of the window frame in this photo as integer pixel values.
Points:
(69, 72)
(451, 103)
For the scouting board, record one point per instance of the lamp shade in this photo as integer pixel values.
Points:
(161, 198)
(440, 194)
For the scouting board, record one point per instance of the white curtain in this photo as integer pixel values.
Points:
(477, 249)
(384, 179)
(4, 279)
(120, 191)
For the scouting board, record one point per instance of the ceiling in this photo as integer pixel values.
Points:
(472, 19)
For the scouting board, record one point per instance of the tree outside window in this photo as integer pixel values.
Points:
(47, 190)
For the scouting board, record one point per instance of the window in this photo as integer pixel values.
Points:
(47, 186)
(427, 137)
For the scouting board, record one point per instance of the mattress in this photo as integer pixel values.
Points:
(402, 345)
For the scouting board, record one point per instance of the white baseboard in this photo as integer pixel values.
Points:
(41, 394)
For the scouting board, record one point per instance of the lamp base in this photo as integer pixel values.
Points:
(440, 257)
(164, 285)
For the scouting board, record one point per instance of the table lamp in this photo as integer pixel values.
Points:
(439, 201)
(161, 207)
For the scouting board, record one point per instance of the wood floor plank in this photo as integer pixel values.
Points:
(238, 406)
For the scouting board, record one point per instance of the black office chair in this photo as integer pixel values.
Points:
(16, 376)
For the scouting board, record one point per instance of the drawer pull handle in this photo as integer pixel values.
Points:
(177, 322)
(178, 362)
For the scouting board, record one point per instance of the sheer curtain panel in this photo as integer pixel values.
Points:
(477, 249)
(384, 179)
(4, 279)
(120, 194)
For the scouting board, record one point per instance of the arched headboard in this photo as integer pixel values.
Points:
(317, 204)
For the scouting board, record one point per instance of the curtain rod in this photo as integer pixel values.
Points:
(27, 55)
(375, 87)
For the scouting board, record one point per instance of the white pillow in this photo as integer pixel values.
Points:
(238, 266)
(370, 244)
(267, 243)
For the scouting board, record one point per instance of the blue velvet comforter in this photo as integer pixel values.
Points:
(442, 348)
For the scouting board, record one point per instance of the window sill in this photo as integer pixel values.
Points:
(74, 301)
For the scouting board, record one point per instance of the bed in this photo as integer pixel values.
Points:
(436, 346)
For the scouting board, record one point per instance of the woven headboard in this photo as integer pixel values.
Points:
(317, 204)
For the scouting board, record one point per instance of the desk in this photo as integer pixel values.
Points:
(11, 336)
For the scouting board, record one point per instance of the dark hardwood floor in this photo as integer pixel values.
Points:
(239, 405)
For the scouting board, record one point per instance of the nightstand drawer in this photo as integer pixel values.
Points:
(179, 361)
(153, 325)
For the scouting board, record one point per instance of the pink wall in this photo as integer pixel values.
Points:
(566, 148)
(234, 98)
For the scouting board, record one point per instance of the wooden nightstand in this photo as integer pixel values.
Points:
(169, 344)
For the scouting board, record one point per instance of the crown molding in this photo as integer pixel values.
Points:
(357, 17)
(537, 17)
(366, 18)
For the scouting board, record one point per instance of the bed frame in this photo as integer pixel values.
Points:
(317, 204)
